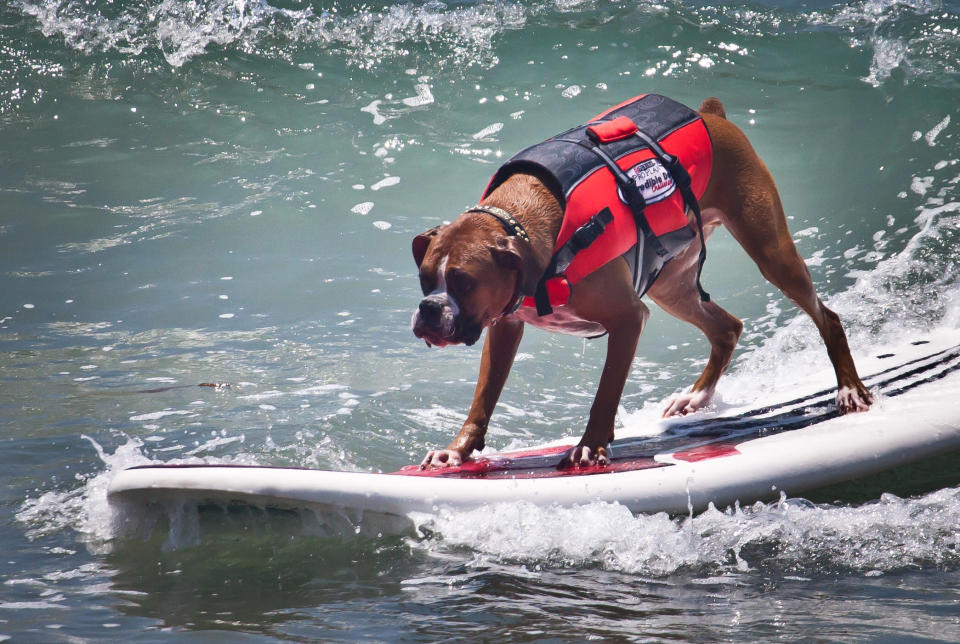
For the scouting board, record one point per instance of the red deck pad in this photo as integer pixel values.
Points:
(508, 466)
(705, 452)
(512, 465)
(486, 463)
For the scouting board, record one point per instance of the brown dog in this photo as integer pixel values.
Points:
(474, 270)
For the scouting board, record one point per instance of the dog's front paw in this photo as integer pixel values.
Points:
(853, 399)
(440, 458)
(583, 456)
(687, 403)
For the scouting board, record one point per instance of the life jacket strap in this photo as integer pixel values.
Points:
(682, 179)
(637, 206)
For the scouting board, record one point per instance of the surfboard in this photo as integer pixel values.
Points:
(793, 447)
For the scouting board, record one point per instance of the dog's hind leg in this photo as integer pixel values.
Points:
(782, 266)
(675, 291)
(754, 216)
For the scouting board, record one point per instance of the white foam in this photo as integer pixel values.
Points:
(386, 182)
(38, 605)
(488, 131)
(888, 54)
(462, 35)
(910, 295)
(85, 508)
(781, 534)
(931, 136)
(213, 444)
(317, 390)
(373, 108)
(424, 96)
(920, 185)
(157, 415)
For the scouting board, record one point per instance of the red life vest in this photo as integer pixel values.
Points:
(625, 180)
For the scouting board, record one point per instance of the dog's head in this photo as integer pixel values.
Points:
(470, 274)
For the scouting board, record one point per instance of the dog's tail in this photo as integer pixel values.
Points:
(713, 106)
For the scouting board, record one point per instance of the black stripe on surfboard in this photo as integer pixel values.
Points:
(737, 429)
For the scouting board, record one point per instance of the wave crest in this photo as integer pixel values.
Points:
(182, 31)
(917, 36)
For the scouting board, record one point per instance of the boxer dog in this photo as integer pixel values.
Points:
(473, 270)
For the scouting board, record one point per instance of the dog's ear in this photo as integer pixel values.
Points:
(422, 242)
(511, 255)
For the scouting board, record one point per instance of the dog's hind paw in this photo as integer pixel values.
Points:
(853, 399)
(687, 403)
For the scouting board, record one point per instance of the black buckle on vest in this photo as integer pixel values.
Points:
(582, 238)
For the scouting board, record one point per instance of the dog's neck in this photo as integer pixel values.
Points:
(536, 209)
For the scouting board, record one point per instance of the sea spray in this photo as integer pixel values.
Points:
(789, 535)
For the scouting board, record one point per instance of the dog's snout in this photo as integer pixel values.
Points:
(430, 309)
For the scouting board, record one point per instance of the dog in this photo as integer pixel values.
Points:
(488, 269)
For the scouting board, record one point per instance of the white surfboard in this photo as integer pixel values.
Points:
(792, 447)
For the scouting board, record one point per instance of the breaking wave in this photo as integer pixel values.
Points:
(920, 37)
(184, 30)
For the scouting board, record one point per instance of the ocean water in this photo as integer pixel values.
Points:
(224, 192)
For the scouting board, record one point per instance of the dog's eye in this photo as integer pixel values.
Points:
(460, 283)
(426, 284)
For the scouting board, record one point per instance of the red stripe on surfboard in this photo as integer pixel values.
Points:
(510, 465)
(486, 463)
(705, 452)
(552, 472)
(479, 466)
(543, 451)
